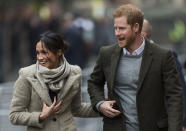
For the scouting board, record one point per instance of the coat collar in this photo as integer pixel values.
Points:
(114, 64)
(43, 90)
(145, 64)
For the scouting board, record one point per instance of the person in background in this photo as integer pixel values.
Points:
(147, 30)
(144, 89)
(147, 33)
(74, 36)
(1, 53)
(48, 94)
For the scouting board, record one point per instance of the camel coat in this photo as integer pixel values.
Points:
(29, 95)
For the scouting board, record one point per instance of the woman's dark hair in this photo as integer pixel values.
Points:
(53, 42)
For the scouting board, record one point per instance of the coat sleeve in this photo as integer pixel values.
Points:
(96, 82)
(173, 93)
(19, 114)
(80, 109)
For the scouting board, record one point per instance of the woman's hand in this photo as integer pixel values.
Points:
(49, 111)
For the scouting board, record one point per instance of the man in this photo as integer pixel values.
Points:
(143, 84)
(147, 30)
(147, 33)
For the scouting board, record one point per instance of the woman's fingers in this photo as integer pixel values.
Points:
(57, 112)
(57, 107)
(58, 104)
(53, 109)
(54, 102)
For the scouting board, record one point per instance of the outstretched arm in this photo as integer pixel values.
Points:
(80, 109)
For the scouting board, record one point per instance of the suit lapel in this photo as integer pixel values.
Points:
(42, 91)
(146, 63)
(114, 64)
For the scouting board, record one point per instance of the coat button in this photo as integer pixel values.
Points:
(54, 119)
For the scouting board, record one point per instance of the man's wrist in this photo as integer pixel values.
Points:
(98, 105)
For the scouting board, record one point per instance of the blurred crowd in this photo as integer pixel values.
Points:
(21, 26)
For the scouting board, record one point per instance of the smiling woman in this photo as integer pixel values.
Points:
(49, 50)
(48, 94)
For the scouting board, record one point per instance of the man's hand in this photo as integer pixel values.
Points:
(107, 109)
(49, 111)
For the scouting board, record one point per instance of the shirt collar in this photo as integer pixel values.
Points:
(137, 51)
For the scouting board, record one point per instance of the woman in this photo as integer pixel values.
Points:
(47, 94)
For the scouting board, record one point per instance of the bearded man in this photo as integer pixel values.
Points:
(144, 90)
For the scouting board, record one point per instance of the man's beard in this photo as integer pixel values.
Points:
(129, 41)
